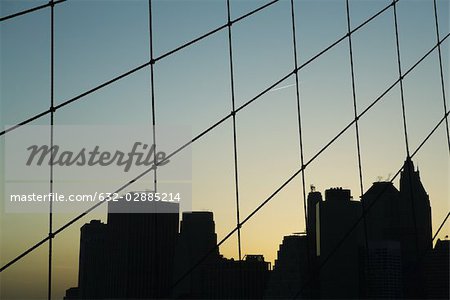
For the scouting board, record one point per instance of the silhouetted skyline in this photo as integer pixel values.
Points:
(335, 88)
(387, 255)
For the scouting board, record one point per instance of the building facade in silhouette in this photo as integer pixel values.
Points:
(437, 271)
(202, 273)
(142, 249)
(196, 240)
(340, 275)
(234, 279)
(132, 256)
(415, 230)
(383, 275)
(382, 219)
(92, 260)
(314, 197)
(72, 294)
(385, 252)
(399, 224)
(290, 271)
(311, 290)
(384, 270)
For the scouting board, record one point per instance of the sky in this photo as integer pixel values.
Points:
(98, 40)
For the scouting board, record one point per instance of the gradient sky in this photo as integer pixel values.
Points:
(97, 40)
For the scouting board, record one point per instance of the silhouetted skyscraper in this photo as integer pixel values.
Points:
(142, 249)
(437, 271)
(339, 277)
(400, 218)
(382, 219)
(314, 197)
(92, 262)
(290, 271)
(72, 294)
(415, 229)
(214, 277)
(234, 279)
(382, 267)
(197, 237)
(313, 206)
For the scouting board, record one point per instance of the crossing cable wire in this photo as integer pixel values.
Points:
(14, 15)
(219, 122)
(398, 172)
(405, 129)
(436, 20)
(68, 224)
(154, 255)
(325, 50)
(278, 190)
(397, 44)
(440, 227)
(377, 100)
(417, 265)
(425, 253)
(123, 75)
(72, 221)
(140, 67)
(235, 148)
(233, 114)
(207, 131)
(312, 159)
(52, 115)
(152, 83)
(33, 9)
(355, 113)
(300, 131)
(433, 130)
(378, 196)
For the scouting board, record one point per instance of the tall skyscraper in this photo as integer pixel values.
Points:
(382, 261)
(313, 206)
(382, 219)
(401, 218)
(339, 277)
(213, 277)
(290, 271)
(197, 238)
(314, 197)
(415, 229)
(141, 249)
(437, 271)
(237, 279)
(92, 260)
(414, 196)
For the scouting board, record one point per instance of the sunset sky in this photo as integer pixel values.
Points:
(98, 40)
